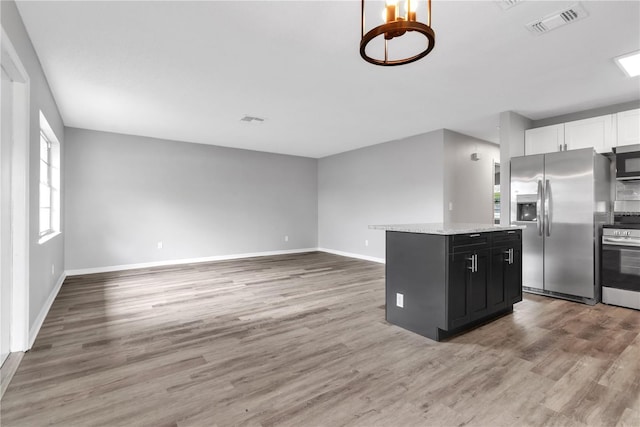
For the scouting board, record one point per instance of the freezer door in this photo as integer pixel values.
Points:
(570, 232)
(526, 189)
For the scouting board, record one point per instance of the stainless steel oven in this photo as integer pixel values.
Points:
(621, 266)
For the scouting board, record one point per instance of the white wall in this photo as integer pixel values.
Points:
(41, 256)
(126, 193)
(468, 184)
(394, 182)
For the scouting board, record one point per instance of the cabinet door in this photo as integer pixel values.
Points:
(628, 127)
(547, 139)
(505, 288)
(513, 277)
(479, 286)
(458, 289)
(498, 284)
(593, 133)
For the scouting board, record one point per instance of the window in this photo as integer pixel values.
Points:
(49, 182)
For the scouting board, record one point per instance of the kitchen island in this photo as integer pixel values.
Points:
(444, 279)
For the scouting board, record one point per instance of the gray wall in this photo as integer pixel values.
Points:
(394, 182)
(41, 256)
(468, 184)
(512, 127)
(126, 193)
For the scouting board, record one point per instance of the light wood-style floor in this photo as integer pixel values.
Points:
(301, 340)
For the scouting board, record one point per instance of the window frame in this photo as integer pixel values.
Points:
(49, 161)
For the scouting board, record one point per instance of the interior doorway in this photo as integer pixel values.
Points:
(6, 261)
(14, 210)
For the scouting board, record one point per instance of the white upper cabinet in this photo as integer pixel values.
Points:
(542, 140)
(596, 132)
(628, 124)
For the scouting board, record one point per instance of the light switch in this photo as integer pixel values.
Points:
(400, 300)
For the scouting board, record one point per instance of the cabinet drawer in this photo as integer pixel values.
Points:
(507, 237)
(463, 241)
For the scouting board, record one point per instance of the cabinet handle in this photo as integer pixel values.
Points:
(474, 263)
(470, 259)
(474, 235)
(509, 254)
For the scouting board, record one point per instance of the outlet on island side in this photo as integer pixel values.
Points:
(160, 245)
(286, 238)
(400, 300)
(366, 243)
(53, 270)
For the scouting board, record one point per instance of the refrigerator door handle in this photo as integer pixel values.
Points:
(539, 209)
(547, 207)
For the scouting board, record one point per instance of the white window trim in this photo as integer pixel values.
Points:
(55, 192)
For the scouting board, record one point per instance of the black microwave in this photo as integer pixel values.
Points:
(628, 162)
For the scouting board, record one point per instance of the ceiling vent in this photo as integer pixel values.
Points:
(508, 4)
(252, 119)
(558, 19)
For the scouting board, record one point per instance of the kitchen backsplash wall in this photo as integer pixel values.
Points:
(627, 190)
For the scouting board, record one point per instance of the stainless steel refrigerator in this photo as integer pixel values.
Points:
(563, 198)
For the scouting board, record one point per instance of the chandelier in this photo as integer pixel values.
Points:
(404, 36)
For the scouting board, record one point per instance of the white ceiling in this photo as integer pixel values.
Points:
(190, 71)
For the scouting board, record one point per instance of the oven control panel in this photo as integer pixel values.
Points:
(620, 237)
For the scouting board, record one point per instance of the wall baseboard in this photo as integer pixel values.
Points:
(111, 268)
(37, 324)
(122, 267)
(352, 255)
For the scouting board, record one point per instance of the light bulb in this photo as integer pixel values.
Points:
(390, 11)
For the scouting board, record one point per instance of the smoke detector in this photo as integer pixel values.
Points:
(557, 19)
(252, 119)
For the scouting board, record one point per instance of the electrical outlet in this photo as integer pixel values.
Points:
(286, 238)
(400, 300)
(160, 245)
(366, 243)
(450, 206)
(53, 270)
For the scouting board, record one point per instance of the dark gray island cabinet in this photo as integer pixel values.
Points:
(443, 280)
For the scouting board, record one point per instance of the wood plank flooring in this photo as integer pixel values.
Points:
(301, 340)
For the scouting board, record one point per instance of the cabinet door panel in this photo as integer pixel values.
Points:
(589, 133)
(513, 278)
(479, 286)
(628, 127)
(547, 139)
(458, 290)
(497, 291)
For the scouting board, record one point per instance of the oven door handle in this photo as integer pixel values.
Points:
(620, 242)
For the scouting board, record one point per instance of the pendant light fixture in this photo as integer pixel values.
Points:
(403, 36)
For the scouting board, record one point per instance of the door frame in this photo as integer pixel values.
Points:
(19, 193)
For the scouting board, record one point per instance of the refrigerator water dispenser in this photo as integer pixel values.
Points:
(527, 207)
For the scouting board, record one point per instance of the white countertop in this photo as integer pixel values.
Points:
(445, 229)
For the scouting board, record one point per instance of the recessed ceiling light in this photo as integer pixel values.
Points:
(629, 63)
